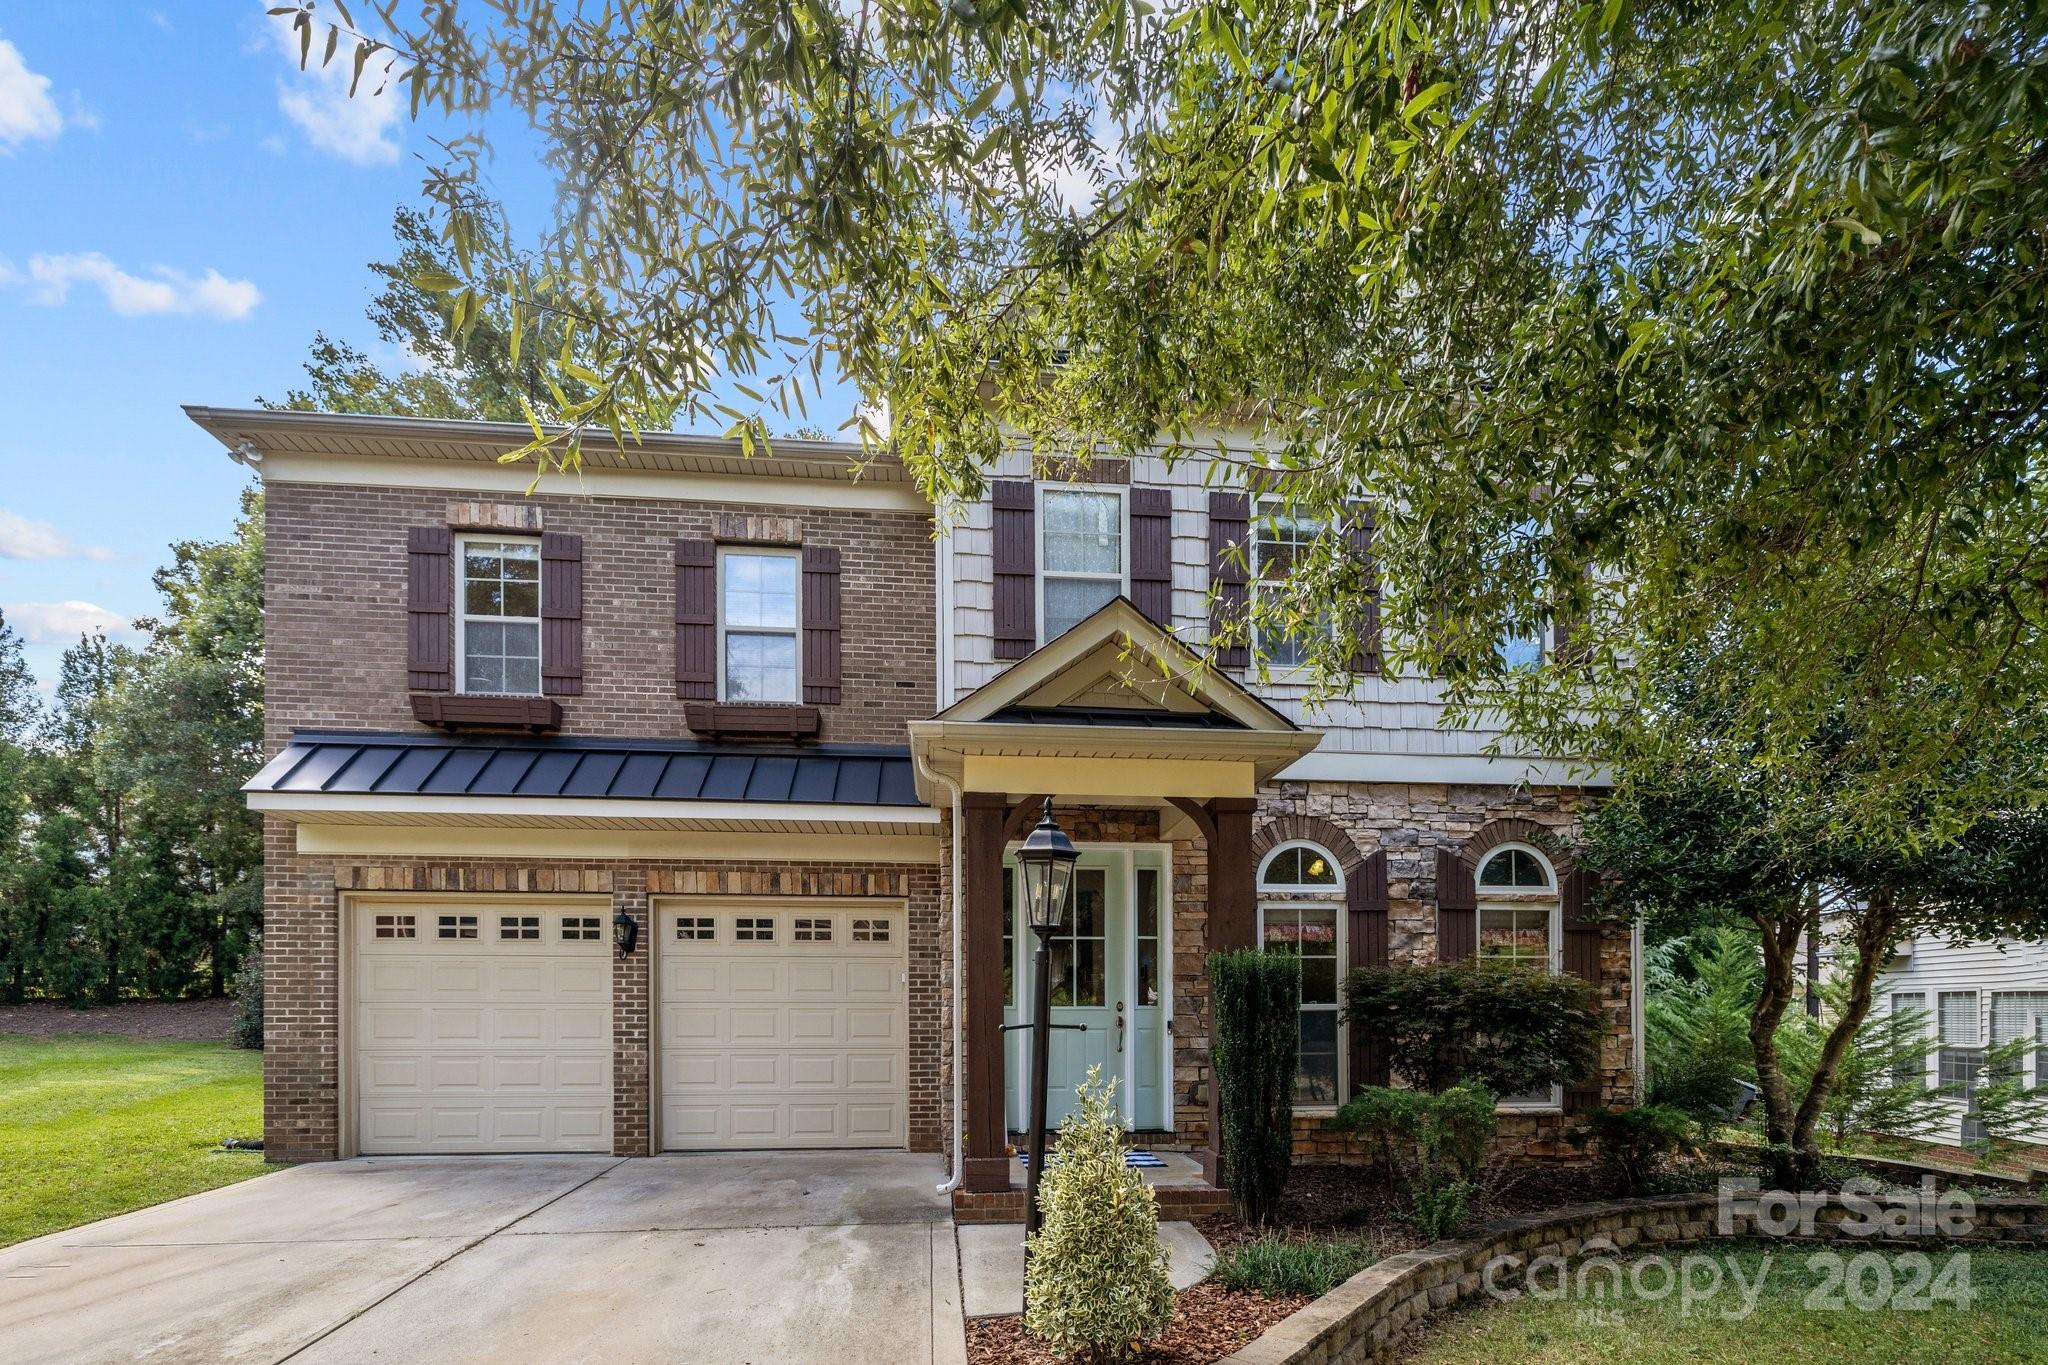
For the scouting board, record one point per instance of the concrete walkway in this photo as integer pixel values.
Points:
(843, 1257)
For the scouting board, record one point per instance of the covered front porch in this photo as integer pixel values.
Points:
(1152, 760)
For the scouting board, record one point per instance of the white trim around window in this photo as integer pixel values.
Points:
(1273, 525)
(762, 625)
(501, 672)
(1119, 582)
(1309, 891)
(1523, 899)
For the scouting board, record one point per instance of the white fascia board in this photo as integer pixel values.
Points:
(1471, 769)
(541, 810)
(464, 477)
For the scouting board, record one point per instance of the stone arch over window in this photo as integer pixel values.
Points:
(1307, 829)
(1515, 830)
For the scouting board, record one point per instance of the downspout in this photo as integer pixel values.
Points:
(952, 1182)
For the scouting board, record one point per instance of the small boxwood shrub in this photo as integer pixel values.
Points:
(1279, 1267)
(1634, 1141)
(1096, 1282)
(1435, 1145)
(1257, 999)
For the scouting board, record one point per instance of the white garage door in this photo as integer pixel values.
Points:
(479, 1029)
(782, 1028)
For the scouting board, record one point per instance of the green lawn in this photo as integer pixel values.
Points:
(2008, 1322)
(92, 1126)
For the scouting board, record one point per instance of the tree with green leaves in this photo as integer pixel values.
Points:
(1880, 1086)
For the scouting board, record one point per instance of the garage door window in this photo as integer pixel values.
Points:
(396, 926)
(871, 931)
(695, 928)
(579, 929)
(812, 931)
(519, 927)
(456, 926)
(754, 929)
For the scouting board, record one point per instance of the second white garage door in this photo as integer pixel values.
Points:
(782, 1028)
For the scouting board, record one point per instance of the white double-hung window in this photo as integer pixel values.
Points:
(1081, 565)
(758, 620)
(497, 621)
(1279, 540)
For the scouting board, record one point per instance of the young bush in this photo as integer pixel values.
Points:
(1458, 1128)
(1633, 1141)
(1439, 1205)
(1279, 1267)
(1511, 1030)
(247, 1030)
(1257, 999)
(1386, 1120)
(1096, 1283)
(1444, 1138)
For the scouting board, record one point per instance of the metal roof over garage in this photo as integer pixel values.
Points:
(349, 763)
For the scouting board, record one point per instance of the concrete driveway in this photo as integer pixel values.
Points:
(844, 1257)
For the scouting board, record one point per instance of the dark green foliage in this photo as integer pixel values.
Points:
(1280, 1266)
(1434, 1146)
(247, 1030)
(1438, 1205)
(1513, 1030)
(1699, 992)
(1256, 997)
(1634, 1141)
(1387, 1120)
(1457, 1128)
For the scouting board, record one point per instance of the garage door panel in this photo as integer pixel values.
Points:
(793, 1040)
(498, 1039)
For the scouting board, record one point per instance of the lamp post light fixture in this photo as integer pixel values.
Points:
(1045, 863)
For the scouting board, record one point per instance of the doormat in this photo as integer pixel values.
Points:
(1132, 1157)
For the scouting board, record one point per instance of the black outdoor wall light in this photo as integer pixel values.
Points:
(625, 933)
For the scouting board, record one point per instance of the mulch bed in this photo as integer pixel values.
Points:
(190, 1020)
(1209, 1323)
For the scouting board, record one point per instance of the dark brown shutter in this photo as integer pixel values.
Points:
(696, 620)
(821, 625)
(1365, 900)
(1229, 595)
(1365, 657)
(1457, 909)
(1152, 553)
(1016, 560)
(429, 585)
(561, 614)
(1583, 935)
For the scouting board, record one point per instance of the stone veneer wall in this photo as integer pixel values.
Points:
(1369, 1316)
(302, 1082)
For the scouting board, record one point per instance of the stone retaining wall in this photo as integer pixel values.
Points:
(1368, 1317)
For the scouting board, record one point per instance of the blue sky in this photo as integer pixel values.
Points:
(180, 210)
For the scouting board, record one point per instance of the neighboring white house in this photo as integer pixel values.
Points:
(1975, 996)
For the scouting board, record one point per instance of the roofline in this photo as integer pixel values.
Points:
(419, 739)
(847, 461)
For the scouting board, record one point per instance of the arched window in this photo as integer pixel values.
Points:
(1521, 924)
(1301, 902)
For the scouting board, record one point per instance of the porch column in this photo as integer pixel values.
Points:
(982, 816)
(1233, 923)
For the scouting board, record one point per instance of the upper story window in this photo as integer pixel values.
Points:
(1279, 541)
(1519, 651)
(758, 619)
(1081, 555)
(497, 622)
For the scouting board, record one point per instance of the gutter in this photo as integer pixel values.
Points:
(952, 1182)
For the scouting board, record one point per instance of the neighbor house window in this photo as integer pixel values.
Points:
(498, 624)
(1520, 918)
(1301, 898)
(1081, 555)
(2016, 1017)
(1279, 542)
(1961, 1060)
(757, 625)
(1913, 1004)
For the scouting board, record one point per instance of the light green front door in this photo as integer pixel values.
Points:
(1106, 971)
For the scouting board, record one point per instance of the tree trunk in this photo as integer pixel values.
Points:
(1875, 931)
(1780, 934)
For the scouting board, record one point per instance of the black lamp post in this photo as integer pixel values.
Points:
(1046, 862)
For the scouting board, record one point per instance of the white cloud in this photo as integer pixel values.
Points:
(26, 109)
(212, 295)
(21, 538)
(362, 128)
(61, 623)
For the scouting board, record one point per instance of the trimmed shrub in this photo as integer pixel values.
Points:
(1634, 1141)
(1278, 1267)
(1439, 1205)
(1386, 1120)
(247, 1030)
(1458, 1129)
(1096, 1281)
(1445, 1139)
(1510, 1029)
(1257, 999)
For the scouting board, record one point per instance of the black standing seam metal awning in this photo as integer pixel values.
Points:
(344, 763)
